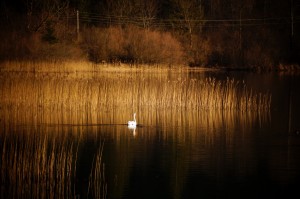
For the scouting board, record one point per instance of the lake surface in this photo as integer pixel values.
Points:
(53, 150)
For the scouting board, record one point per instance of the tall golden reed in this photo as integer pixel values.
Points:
(108, 90)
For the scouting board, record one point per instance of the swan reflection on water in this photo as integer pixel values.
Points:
(133, 129)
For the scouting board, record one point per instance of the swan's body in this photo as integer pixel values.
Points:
(132, 123)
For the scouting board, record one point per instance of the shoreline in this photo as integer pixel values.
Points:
(76, 66)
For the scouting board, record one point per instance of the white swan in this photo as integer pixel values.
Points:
(133, 123)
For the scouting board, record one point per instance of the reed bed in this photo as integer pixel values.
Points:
(87, 99)
(161, 98)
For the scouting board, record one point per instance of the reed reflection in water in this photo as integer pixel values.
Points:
(170, 144)
(42, 162)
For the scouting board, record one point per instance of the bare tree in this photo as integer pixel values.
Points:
(140, 12)
(39, 12)
(240, 11)
(189, 16)
(147, 11)
(120, 11)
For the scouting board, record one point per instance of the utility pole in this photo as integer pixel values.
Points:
(292, 59)
(292, 56)
(241, 53)
(292, 19)
(77, 16)
(240, 31)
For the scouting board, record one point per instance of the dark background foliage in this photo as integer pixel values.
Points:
(227, 33)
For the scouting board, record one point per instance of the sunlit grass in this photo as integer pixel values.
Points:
(75, 67)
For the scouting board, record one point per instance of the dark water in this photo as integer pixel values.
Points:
(172, 153)
(233, 157)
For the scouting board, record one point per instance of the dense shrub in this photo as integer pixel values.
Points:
(94, 44)
(26, 45)
(200, 51)
(131, 44)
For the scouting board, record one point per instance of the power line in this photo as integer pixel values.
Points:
(107, 20)
(96, 15)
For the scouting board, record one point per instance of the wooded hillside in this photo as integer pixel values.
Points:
(230, 33)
